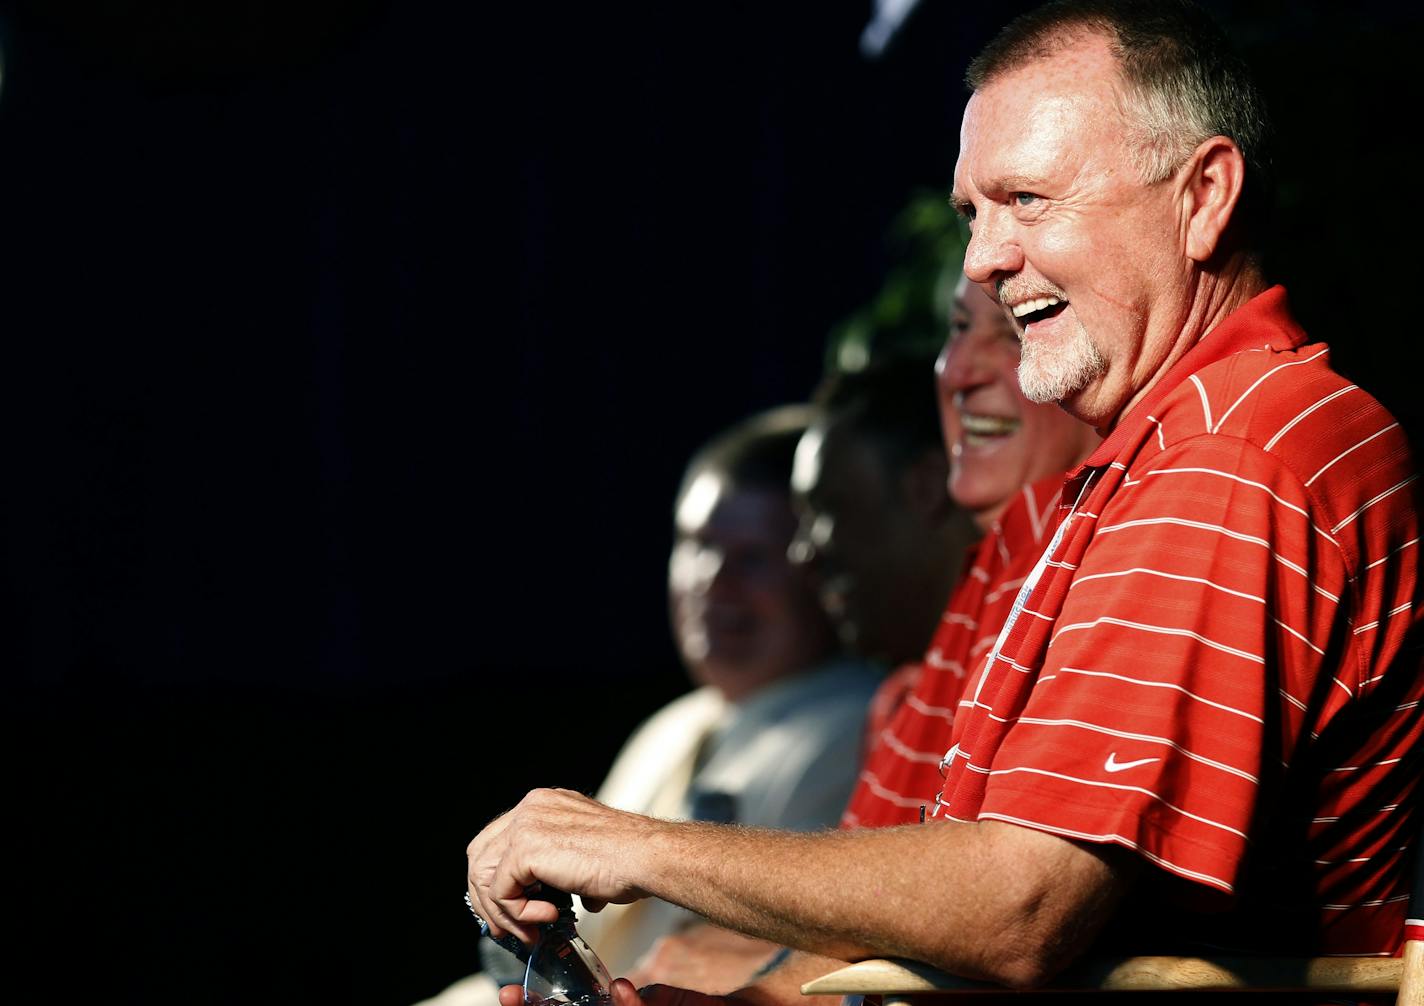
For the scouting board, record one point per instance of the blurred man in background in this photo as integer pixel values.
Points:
(772, 735)
(877, 527)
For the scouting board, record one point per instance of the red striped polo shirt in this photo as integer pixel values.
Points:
(1220, 664)
(901, 773)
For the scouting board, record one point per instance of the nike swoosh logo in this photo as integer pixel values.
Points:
(1113, 765)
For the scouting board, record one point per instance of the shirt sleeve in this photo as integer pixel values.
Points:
(1186, 659)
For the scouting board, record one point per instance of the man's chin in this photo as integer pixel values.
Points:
(1055, 374)
(1055, 382)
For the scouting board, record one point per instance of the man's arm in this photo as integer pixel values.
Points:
(988, 900)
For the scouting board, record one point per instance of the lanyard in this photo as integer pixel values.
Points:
(1030, 582)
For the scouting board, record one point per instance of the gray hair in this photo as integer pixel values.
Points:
(1182, 81)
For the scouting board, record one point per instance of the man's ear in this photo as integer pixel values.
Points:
(925, 483)
(1212, 180)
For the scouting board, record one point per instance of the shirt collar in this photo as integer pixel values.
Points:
(1264, 321)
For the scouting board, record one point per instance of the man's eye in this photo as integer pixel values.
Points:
(1025, 198)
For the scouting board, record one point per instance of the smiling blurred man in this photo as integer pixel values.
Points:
(1202, 722)
(999, 440)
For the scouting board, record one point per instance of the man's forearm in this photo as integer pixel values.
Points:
(985, 900)
(959, 896)
(801, 890)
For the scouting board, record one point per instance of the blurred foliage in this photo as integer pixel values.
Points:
(908, 317)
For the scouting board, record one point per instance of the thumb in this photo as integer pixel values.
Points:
(622, 991)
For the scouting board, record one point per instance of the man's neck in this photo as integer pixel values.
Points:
(1215, 296)
(1220, 294)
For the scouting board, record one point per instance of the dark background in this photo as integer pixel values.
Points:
(353, 353)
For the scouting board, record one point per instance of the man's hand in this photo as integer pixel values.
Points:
(624, 994)
(703, 957)
(559, 838)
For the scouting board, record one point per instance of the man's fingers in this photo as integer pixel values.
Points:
(548, 837)
(506, 889)
(496, 889)
(500, 923)
(623, 993)
(502, 903)
(504, 914)
(482, 855)
(532, 910)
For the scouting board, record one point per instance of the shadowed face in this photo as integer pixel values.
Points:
(1085, 257)
(742, 614)
(863, 541)
(998, 440)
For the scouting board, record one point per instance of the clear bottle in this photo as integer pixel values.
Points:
(559, 968)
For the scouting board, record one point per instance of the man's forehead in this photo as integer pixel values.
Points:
(1022, 124)
(1016, 126)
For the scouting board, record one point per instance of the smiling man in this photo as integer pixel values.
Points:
(1207, 695)
(1216, 665)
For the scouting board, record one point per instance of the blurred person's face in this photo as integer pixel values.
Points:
(998, 440)
(864, 540)
(742, 615)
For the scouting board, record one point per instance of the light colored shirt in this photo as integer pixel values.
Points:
(785, 757)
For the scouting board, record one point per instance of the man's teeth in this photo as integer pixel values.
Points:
(987, 426)
(1037, 304)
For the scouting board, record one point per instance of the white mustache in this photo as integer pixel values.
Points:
(1011, 291)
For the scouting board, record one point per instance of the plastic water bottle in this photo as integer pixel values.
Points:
(559, 968)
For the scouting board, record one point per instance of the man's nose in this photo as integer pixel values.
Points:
(993, 251)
